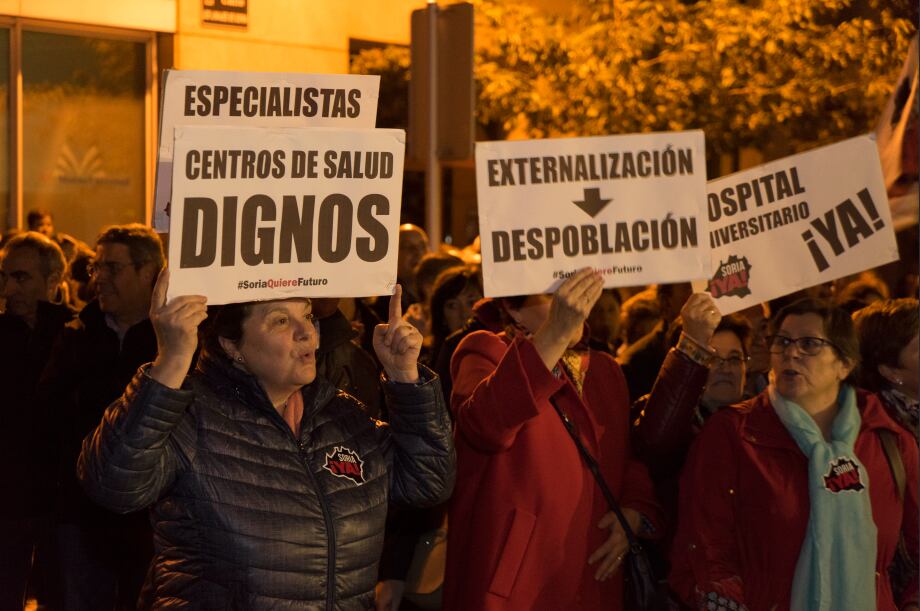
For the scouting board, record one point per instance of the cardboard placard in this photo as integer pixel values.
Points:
(797, 222)
(274, 213)
(633, 207)
(257, 99)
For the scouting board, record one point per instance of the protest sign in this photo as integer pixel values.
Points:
(256, 99)
(632, 207)
(273, 213)
(797, 222)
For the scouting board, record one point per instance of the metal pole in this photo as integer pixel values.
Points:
(432, 164)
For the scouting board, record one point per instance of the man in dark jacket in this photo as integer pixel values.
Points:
(31, 268)
(96, 356)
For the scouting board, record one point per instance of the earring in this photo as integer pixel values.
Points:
(239, 358)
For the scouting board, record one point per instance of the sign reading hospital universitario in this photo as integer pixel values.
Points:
(797, 222)
(632, 207)
(272, 213)
(256, 99)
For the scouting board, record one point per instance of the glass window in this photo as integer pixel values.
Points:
(83, 130)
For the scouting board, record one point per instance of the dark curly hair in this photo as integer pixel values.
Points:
(884, 328)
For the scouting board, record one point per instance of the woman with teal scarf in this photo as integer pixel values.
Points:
(788, 501)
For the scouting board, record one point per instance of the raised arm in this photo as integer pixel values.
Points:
(663, 430)
(498, 388)
(421, 452)
(146, 435)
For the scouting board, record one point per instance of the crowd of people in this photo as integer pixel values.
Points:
(441, 450)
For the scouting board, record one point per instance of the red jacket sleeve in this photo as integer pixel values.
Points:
(497, 389)
(704, 558)
(663, 428)
(909, 522)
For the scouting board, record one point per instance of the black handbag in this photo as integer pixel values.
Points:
(644, 592)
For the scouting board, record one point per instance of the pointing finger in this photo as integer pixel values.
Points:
(396, 305)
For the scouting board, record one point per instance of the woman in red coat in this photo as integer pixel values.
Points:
(529, 527)
(788, 501)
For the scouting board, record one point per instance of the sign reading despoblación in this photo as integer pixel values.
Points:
(632, 207)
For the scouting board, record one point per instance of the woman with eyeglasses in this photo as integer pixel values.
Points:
(789, 500)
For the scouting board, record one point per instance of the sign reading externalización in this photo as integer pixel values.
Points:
(632, 207)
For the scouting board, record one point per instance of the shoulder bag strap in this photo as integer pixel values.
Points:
(592, 465)
(895, 462)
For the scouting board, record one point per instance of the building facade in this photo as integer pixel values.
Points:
(79, 86)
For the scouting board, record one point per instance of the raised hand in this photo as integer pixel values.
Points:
(176, 327)
(701, 317)
(568, 311)
(398, 344)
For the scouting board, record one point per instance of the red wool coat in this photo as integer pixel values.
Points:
(744, 506)
(524, 514)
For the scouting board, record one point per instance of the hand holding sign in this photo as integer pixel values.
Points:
(568, 311)
(701, 317)
(176, 326)
(397, 344)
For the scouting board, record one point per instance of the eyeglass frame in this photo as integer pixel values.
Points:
(788, 341)
(718, 361)
(92, 268)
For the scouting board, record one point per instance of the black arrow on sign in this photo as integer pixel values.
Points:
(592, 203)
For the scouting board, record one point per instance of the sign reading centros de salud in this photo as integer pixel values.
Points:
(272, 213)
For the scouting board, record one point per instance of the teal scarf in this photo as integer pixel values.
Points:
(836, 567)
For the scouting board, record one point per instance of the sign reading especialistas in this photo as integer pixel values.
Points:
(632, 207)
(797, 222)
(272, 213)
(256, 99)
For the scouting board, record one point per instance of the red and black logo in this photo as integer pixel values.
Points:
(732, 278)
(843, 475)
(342, 462)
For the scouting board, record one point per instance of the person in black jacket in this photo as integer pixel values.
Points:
(31, 269)
(103, 556)
(268, 487)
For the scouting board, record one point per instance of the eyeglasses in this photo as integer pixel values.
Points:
(733, 362)
(112, 268)
(809, 346)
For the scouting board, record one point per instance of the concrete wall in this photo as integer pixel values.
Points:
(289, 35)
(154, 15)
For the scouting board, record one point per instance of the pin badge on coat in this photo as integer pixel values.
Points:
(842, 475)
(343, 462)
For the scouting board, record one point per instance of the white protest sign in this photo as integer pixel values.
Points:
(257, 99)
(273, 213)
(632, 207)
(797, 222)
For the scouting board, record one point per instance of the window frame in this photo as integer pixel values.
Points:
(16, 27)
